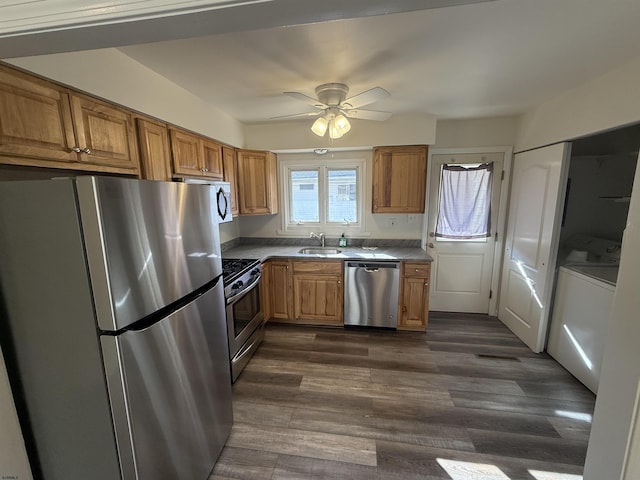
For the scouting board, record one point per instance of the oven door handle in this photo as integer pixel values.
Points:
(230, 300)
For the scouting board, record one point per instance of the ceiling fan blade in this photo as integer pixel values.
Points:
(367, 114)
(365, 98)
(306, 99)
(297, 115)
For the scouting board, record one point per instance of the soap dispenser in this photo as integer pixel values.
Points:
(343, 241)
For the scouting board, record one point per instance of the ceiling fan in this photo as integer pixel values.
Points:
(333, 108)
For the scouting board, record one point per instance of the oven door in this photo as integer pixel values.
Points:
(244, 316)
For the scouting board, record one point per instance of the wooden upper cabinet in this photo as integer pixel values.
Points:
(105, 134)
(212, 158)
(399, 179)
(35, 120)
(45, 125)
(155, 153)
(257, 186)
(229, 168)
(195, 156)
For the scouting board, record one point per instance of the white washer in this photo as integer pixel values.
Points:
(580, 319)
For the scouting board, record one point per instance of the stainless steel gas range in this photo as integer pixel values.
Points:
(245, 319)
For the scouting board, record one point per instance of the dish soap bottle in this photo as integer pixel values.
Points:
(342, 242)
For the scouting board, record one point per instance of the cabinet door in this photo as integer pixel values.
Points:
(211, 159)
(229, 168)
(186, 152)
(280, 289)
(399, 179)
(318, 299)
(105, 133)
(257, 183)
(265, 291)
(35, 121)
(155, 156)
(415, 303)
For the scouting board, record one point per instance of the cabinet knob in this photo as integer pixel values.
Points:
(76, 149)
(426, 284)
(87, 150)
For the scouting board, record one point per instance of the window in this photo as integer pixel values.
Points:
(323, 194)
(464, 202)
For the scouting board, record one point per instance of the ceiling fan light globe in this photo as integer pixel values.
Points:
(334, 131)
(342, 124)
(319, 127)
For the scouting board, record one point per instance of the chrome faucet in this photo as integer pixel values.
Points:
(319, 236)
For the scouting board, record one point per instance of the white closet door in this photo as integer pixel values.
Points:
(533, 230)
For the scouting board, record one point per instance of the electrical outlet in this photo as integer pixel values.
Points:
(392, 222)
(412, 218)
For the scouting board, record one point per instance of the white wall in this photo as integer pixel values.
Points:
(377, 225)
(13, 457)
(112, 75)
(397, 130)
(592, 178)
(403, 130)
(606, 102)
(620, 374)
(478, 132)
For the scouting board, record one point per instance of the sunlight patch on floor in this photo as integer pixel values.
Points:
(471, 471)
(538, 475)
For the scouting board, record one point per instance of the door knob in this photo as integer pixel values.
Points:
(431, 245)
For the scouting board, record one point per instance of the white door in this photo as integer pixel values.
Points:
(533, 229)
(461, 272)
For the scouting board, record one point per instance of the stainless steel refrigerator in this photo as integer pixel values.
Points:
(113, 317)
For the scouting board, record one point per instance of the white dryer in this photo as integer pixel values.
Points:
(582, 307)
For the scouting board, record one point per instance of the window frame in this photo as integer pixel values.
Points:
(322, 166)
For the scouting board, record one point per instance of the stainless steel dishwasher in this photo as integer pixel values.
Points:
(371, 294)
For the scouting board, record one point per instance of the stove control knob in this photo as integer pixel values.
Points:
(255, 272)
(237, 285)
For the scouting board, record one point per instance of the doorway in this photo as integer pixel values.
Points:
(464, 272)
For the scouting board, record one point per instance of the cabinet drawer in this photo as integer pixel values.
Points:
(326, 267)
(417, 269)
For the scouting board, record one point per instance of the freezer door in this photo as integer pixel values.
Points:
(170, 390)
(148, 244)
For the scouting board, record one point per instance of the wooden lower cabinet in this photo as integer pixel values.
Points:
(318, 292)
(265, 290)
(280, 290)
(305, 292)
(414, 296)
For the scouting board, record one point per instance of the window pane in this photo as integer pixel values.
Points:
(304, 196)
(342, 196)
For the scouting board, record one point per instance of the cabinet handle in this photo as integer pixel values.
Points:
(87, 150)
(76, 149)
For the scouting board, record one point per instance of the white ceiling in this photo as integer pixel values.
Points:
(483, 59)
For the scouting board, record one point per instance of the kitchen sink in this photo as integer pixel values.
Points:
(319, 251)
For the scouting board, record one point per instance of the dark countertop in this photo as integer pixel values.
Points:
(264, 252)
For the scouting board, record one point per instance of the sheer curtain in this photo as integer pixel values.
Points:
(464, 210)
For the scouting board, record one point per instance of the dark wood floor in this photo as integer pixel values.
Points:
(466, 401)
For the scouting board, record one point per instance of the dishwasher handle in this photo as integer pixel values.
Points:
(372, 266)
